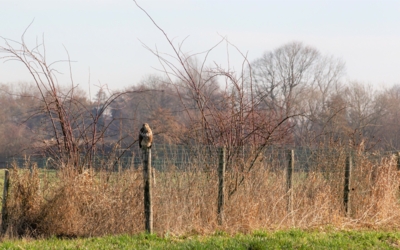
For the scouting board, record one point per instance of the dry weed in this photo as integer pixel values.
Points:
(100, 203)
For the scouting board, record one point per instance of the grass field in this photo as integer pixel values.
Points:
(290, 239)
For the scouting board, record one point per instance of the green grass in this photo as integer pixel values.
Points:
(290, 239)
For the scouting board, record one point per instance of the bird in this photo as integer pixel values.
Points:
(145, 137)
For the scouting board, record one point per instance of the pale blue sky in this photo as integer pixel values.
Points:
(104, 35)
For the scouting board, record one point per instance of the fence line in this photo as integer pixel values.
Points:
(184, 157)
(229, 167)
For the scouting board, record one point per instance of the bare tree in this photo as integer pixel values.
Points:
(364, 113)
(220, 107)
(297, 79)
(387, 105)
(280, 73)
(77, 127)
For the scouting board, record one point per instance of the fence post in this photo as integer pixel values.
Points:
(148, 207)
(289, 180)
(4, 212)
(221, 184)
(347, 183)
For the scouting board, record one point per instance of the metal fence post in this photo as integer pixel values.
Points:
(4, 212)
(347, 183)
(289, 180)
(221, 184)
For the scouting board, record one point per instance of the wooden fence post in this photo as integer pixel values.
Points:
(148, 207)
(289, 180)
(4, 212)
(221, 184)
(347, 184)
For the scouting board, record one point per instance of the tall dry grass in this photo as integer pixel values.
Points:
(98, 203)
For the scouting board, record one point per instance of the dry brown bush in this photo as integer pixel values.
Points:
(101, 203)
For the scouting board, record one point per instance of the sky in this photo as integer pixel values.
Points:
(105, 38)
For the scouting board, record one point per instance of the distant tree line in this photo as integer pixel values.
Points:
(291, 96)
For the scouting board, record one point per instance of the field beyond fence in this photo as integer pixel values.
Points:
(268, 190)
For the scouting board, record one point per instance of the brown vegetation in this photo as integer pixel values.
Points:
(100, 202)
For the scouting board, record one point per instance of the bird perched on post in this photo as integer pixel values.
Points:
(145, 137)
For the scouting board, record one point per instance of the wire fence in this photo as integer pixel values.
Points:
(199, 157)
(212, 187)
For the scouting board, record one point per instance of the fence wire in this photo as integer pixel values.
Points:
(199, 157)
